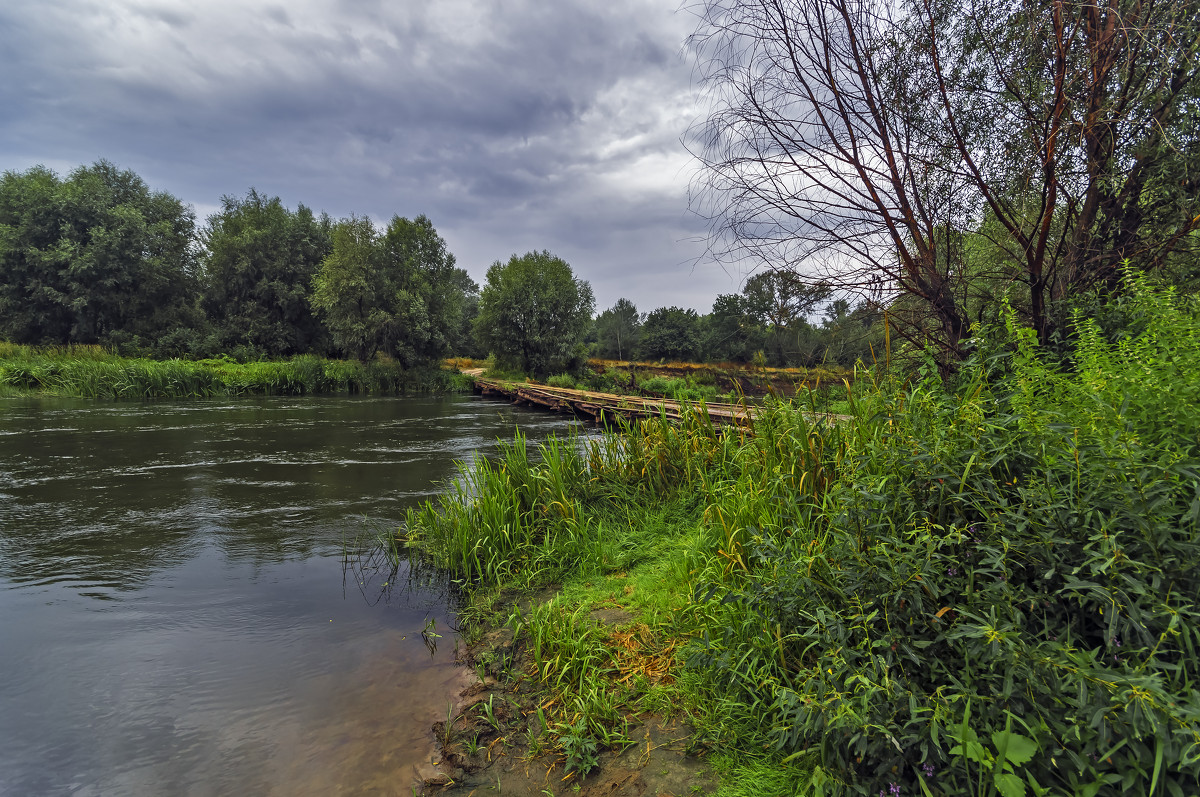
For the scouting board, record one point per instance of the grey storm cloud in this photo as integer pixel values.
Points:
(513, 124)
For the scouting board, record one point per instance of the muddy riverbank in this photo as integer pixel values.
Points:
(494, 740)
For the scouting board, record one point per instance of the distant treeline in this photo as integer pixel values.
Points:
(767, 323)
(98, 258)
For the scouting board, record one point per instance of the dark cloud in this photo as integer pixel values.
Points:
(513, 124)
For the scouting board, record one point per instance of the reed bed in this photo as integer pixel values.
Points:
(91, 372)
(981, 586)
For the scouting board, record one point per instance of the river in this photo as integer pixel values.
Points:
(175, 617)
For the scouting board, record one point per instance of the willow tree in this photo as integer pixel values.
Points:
(951, 151)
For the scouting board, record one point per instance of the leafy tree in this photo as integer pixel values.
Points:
(671, 333)
(463, 342)
(95, 258)
(259, 263)
(398, 293)
(533, 313)
(866, 140)
(347, 289)
(781, 301)
(852, 334)
(617, 330)
(424, 293)
(731, 331)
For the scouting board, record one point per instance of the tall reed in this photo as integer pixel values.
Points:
(90, 372)
(980, 586)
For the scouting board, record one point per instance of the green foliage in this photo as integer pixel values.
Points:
(781, 301)
(851, 335)
(999, 763)
(258, 265)
(670, 333)
(685, 389)
(95, 258)
(579, 748)
(347, 289)
(760, 778)
(820, 110)
(1022, 542)
(731, 331)
(92, 372)
(618, 330)
(533, 313)
(510, 520)
(397, 293)
(983, 587)
(99, 258)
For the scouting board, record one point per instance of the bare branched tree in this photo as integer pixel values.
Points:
(938, 154)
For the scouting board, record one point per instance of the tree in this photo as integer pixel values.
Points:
(869, 141)
(852, 334)
(463, 343)
(617, 330)
(259, 263)
(533, 313)
(781, 301)
(347, 289)
(671, 333)
(399, 292)
(731, 331)
(95, 258)
(424, 292)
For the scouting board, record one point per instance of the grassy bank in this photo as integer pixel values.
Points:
(986, 587)
(92, 372)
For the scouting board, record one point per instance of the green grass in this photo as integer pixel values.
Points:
(978, 586)
(92, 372)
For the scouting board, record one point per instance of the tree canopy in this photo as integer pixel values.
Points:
(671, 333)
(618, 330)
(956, 153)
(398, 292)
(533, 313)
(95, 258)
(259, 263)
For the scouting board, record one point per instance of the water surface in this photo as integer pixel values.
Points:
(175, 617)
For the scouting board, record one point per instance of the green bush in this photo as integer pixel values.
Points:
(986, 587)
(1011, 562)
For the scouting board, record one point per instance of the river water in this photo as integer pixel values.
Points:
(175, 617)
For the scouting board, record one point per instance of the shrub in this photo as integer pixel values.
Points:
(1009, 562)
(986, 587)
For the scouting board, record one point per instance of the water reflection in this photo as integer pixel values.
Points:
(174, 613)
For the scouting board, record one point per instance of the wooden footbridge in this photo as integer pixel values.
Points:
(603, 407)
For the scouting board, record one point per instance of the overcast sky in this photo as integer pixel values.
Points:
(513, 124)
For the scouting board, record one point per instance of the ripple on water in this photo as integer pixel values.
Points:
(174, 614)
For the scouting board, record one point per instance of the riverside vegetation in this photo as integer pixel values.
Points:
(94, 372)
(982, 585)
